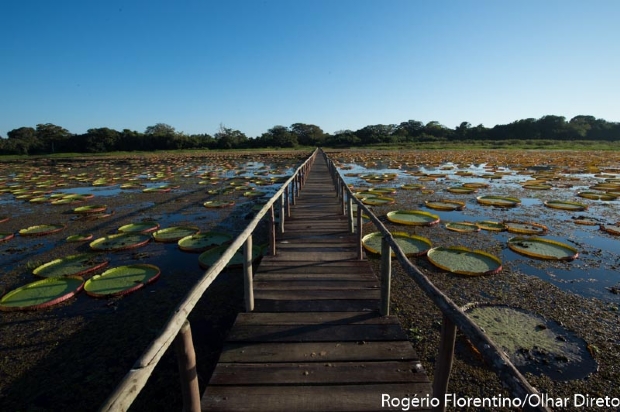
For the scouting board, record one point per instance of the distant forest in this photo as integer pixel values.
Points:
(49, 138)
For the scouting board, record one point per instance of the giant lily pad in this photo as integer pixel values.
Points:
(411, 245)
(611, 229)
(542, 248)
(564, 205)
(121, 280)
(74, 265)
(41, 294)
(491, 226)
(534, 344)
(6, 236)
(445, 204)
(525, 228)
(120, 241)
(591, 195)
(142, 227)
(90, 209)
(413, 217)
(175, 233)
(378, 200)
(40, 230)
(203, 241)
(463, 227)
(501, 201)
(464, 261)
(209, 257)
(218, 203)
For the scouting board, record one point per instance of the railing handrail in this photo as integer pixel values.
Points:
(499, 362)
(133, 382)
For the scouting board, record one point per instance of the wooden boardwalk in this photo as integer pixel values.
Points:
(316, 340)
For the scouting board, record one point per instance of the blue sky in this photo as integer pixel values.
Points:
(339, 64)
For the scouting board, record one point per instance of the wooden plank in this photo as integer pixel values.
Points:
(315, 333)
(305, 318)
(322, 284)
(338, 305)
(353, 294)
(269, 352)
(324, 373)
(308, 398)
(316, 277)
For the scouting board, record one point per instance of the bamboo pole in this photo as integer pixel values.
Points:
(247, 275)
(444, 362)
(386, 275)
(186, 359)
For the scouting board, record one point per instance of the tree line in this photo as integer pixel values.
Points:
(49, 138)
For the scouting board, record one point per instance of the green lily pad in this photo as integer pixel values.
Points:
(501, 201)
(74, 265)
(525, 228)
(41, 294)
(40, 230)
(120, 241)
(90, 209)
(492, 226)
(6, 236)
(203, 241)
(142, 227)
(464, 261)
(411, 245)
(79, 238)
(121, 280)
(542, 248)
(217, 203)
(174, 233)
(413, 217)
(564, 205)
(462, 227)
(445, 204)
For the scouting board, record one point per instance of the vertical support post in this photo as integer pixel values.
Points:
(282, 213)
(248, 284)
(295, 189)
(272, 231)
(360, 234)
(444, 362)
(287, 195)
(350, 211)
(186, 358)
(386, 276)
(344, 198)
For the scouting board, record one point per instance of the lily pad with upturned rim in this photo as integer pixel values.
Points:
(218, 203)
(464, 261)
(491, 225)
(413, 217)
(525, 228)
(501, 201)
(595, 196)
(141, 227)
(412, 245)
(73, 265)
(378, 200)
(542, 248)
(445, 204)
(79, 238)
(203, 241)
(120, 241)
(462, 227)
(6, 236)
(41, 230)
(565, 205)
(611, 229)
(41, 294)
(90, 209)
(121, 280)
(174, 233)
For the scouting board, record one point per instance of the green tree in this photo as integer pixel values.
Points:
(308, 134)
(279, 136)
(227, 138)
(52, 138)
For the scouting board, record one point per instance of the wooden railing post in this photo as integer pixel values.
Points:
(186, 358)
(360, 235)
(282, 201)
(350, 211)
(444, 362)
(272, 231)
(288, 201)
(248, 283)
(386, 276)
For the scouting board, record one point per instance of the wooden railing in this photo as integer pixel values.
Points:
(177, 330)
(453, 316)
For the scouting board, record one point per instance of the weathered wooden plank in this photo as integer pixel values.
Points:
(353, 294)
(308, 398)
(324, 373)
(305, 318)
(269, 352)
(314, 277)
(325, 284)
(315, 333)
(338, 305)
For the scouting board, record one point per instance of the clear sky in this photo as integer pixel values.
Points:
(339, 64)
